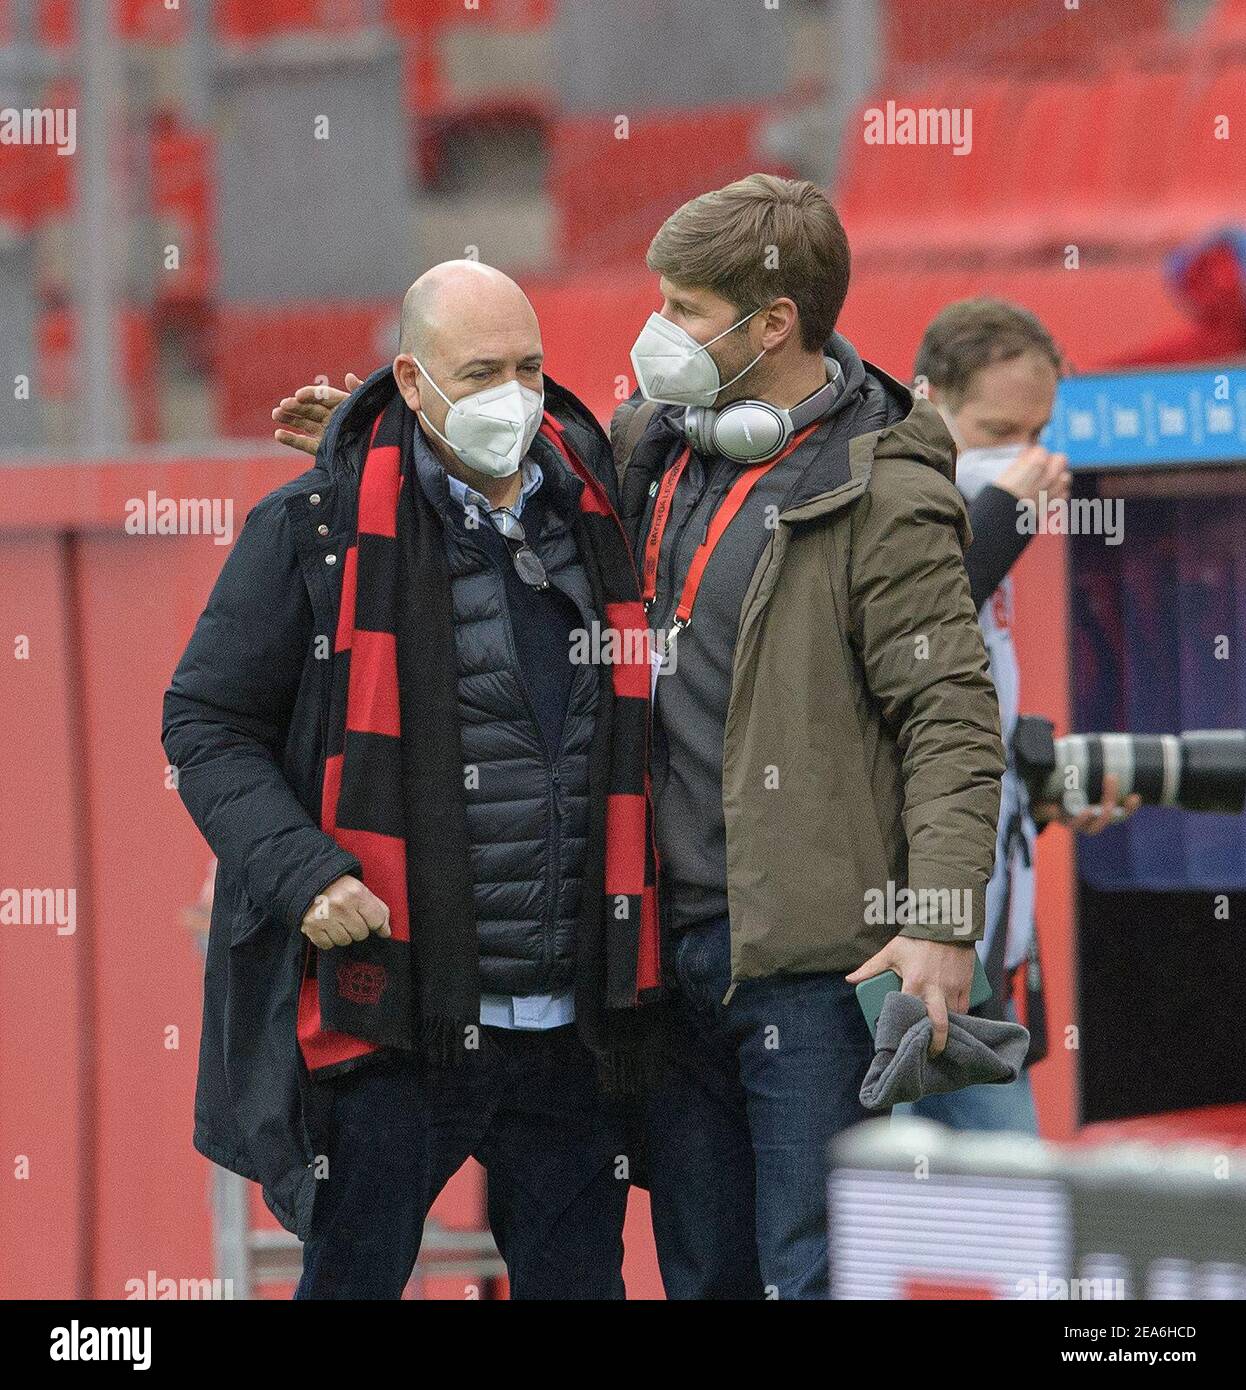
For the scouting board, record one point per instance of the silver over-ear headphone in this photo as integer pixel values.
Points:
(754, 431)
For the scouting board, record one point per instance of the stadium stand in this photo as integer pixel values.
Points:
(1113, 145)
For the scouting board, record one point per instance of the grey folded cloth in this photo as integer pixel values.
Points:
(978, 1050)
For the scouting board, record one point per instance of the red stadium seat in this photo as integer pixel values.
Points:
(888, 194)
(151, 21)
(1141, 117)
(139, 21)
(1013, 33)
(973, 189)
(887, 310)
(263, 352)
(1126, 161)
(1210, 184)
(56, 23)
(183, 202)
(1106, 153)
(21, 187)
(1057, 120)
(36, 182)
(245, 21)
(611, 194)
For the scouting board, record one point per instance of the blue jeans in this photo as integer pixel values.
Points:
(1001, 1109)
(739, 1120)
(528, 1108)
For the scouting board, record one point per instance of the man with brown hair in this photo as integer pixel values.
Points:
(825, 730)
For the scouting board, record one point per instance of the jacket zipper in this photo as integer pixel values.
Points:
(553, 806)
(325, 698)
(556, 776)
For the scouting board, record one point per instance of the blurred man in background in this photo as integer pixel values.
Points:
(992, 369)
(378, 730)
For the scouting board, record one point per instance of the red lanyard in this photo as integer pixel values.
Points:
(723, 517)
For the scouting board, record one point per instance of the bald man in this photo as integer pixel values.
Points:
(434, 923)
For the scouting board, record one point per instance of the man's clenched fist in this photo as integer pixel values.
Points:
(346, 911)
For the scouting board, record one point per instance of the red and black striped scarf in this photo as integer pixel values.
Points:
(393, 787)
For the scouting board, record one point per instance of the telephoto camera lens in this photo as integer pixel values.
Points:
(1199, 770)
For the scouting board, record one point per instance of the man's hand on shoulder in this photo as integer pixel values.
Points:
(940, 973)
(346, 911)
(307, 414)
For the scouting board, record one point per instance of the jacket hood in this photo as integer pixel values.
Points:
(882, 419)
(909, 426)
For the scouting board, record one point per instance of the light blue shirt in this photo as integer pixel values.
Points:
(469, 499)
(515, 1010)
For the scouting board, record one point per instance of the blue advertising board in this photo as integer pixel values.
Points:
(1149, 419)
(1156, 623)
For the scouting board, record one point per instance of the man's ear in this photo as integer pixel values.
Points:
(409, 379)
(778, 323)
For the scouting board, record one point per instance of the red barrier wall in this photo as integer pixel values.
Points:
(99, 1029)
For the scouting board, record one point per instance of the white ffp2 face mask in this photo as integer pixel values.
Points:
(673, 368)
(975, 468)
(490, 431)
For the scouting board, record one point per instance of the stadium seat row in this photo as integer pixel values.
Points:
(1135, 157)
(243, 21)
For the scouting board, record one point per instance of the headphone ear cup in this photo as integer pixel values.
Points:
(750, 431)
(699, 428)
(744, 431)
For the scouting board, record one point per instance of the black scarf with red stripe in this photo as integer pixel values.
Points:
(393, 790)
